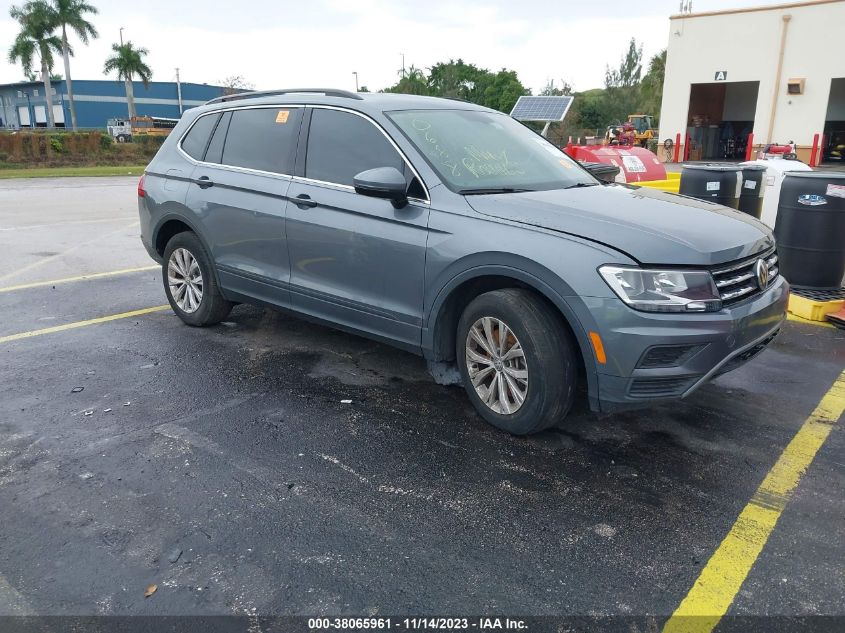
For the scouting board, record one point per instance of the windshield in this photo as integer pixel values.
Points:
(484, 152)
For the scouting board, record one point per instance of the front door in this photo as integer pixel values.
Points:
(239, 192)
(355, 260)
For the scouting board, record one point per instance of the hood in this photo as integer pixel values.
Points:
(651, 226)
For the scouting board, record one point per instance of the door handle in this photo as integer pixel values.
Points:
(204, 182)
(304, 201)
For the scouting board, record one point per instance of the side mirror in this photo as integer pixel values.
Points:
(387, 183)
(602, 171)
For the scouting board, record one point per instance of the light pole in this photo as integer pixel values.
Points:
(403, 64)
(355, 72)
(121, 36)
(179, 91)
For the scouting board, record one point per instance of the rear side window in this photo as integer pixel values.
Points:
(214, 153)
(341, 145)
(197, 138)
(263, 138)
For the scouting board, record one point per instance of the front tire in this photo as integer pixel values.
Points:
(190, 284)
(517, 361)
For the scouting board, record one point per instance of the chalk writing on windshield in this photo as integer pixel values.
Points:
(481, 163)
(436, 150)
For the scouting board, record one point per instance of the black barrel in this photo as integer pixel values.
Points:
(810, 229)
(602, 171)
(753, 188)
(714, 182)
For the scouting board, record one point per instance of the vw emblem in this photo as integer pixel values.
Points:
(761, 269)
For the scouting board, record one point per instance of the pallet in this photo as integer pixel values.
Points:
(815, 305)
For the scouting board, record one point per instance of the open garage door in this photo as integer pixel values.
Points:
(720, 119)
(833, 150)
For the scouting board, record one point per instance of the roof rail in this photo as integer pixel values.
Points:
(329, 92)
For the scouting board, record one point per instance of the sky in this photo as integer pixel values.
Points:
(320, 43)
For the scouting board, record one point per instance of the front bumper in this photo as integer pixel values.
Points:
(636, 342)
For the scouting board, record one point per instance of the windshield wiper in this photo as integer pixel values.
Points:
(582, 184)
(481, 191)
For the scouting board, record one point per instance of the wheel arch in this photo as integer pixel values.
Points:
(439, 333)
(172, 224)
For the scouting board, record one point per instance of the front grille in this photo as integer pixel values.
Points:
(667, 355)
(660, 387)
(738, 281)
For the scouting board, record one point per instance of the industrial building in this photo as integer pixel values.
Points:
(774, 72)
(23, 105)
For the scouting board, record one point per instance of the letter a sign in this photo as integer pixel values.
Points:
(721, 75)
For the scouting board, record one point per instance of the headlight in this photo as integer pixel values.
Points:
(664, 290)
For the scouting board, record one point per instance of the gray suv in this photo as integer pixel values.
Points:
(454, 232)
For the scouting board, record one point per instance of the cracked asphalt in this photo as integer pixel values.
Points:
(222, 464)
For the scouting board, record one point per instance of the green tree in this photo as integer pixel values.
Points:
(70, 15)
(501, 91)
(414, 82)
(128, 61)
(651, 89)
(455, 80)
(36, 38)
(622, 84)
(550, 90)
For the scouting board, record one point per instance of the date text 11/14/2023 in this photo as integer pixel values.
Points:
(418, 624)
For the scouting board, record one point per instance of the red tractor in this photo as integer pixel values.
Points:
(773, 150)
(624, 135)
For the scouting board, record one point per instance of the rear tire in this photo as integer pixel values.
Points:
(190, 283)
(526, 383)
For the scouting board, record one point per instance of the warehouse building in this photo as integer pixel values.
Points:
(23, 105)
(774, 72)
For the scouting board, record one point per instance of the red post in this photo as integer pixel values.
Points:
(749, 146)
(687, 148)
(813, 151)
(821, 150)
(677, 148)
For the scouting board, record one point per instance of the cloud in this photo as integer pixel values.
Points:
(321, 42)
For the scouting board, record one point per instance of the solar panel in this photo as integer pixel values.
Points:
(541, 108)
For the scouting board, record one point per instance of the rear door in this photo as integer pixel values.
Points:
(239, 191)
(355, 260)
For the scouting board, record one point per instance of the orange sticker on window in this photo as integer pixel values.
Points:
(282, 116)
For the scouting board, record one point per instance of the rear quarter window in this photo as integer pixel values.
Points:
(263, 138)
(214, 153)
(196, 141)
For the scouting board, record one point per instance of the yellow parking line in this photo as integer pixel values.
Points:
(65, 280)
(78, 324)
(722, 577)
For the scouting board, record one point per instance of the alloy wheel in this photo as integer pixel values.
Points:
(496, 365)
(185, 280)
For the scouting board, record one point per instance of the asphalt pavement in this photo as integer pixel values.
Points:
(224, 465)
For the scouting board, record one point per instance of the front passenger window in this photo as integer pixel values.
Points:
(342, 145)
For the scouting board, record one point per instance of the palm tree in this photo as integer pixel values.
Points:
(128, 61)
(36, 37)
(70, 15)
